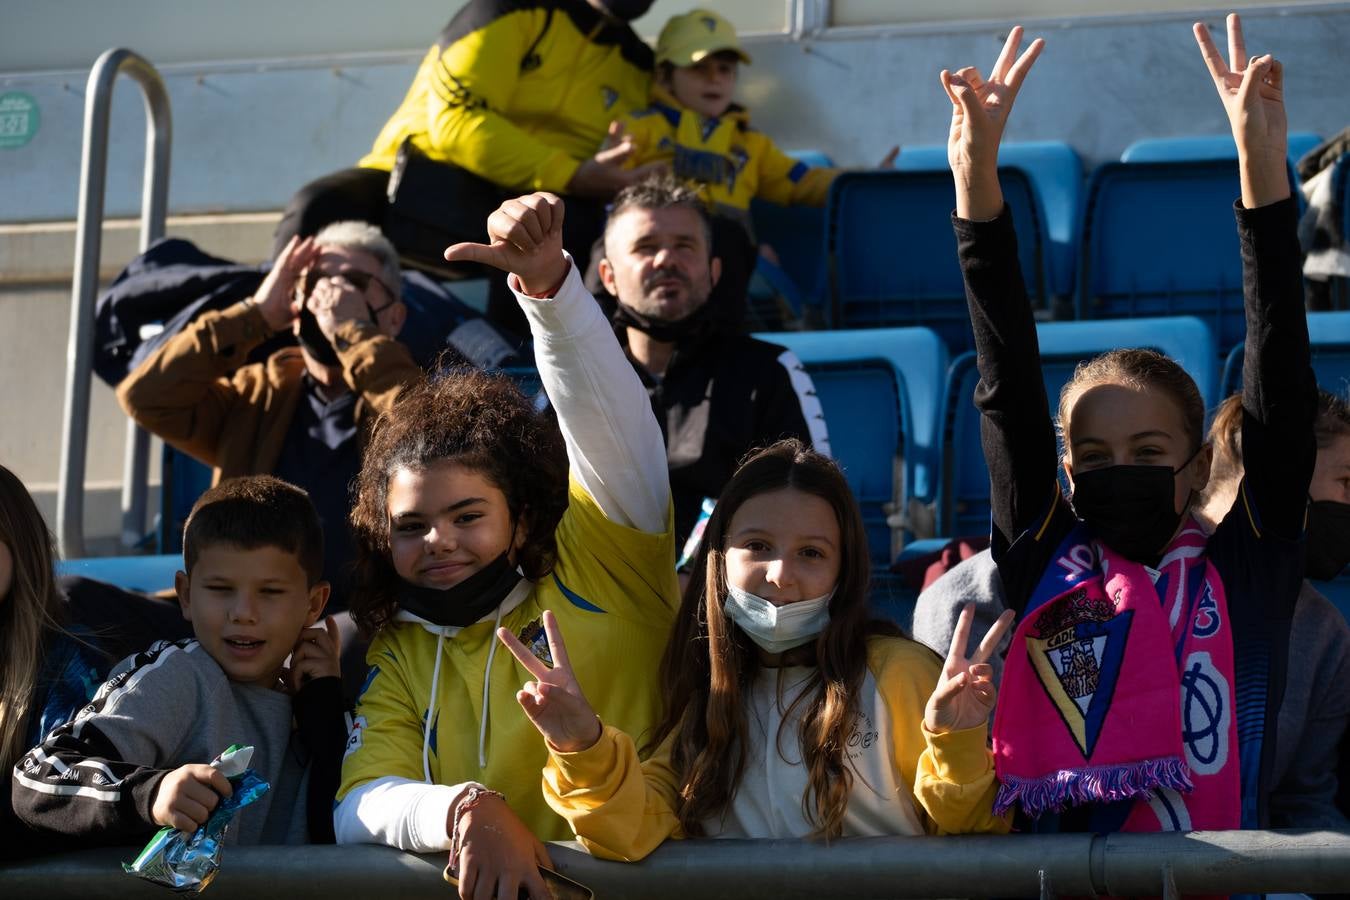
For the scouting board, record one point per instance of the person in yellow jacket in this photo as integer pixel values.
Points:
(788, 714)
(692, 125)
(514, 96)
(467, 520)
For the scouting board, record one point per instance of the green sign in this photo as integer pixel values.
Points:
(19, 119)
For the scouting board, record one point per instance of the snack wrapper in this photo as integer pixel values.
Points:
(189, 862)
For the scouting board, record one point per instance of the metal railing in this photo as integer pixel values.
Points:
(1165, 865)
(84, 286)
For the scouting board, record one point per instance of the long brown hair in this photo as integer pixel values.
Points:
(26, 612)
(480, 421)
(710, 664)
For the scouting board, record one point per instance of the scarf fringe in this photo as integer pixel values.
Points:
(1059, 790)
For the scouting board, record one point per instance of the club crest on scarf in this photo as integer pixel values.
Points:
(1076, 647)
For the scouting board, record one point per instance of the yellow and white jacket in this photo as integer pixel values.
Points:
(729, 161)
(519, 92)
(438, 711)
(905, 779)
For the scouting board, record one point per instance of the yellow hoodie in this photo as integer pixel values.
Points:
(519, 92)
(730, 161)
(906, 780)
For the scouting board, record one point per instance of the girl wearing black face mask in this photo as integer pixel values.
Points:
(1137, 630)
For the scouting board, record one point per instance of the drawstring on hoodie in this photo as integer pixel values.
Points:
(431, 700)
(431, 705)
(487, 683)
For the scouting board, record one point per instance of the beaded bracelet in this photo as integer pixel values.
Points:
(472, 797)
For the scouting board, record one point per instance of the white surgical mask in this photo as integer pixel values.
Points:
(777, 628)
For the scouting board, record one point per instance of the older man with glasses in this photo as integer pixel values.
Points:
(300, 414)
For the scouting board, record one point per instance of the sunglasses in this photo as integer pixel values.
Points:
(355, 277)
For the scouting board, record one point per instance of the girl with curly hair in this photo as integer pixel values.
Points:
(789, 713)
(468, 520)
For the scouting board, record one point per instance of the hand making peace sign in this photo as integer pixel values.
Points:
(525, 238)
(554, 701)
(1252, 91)
(965, 692)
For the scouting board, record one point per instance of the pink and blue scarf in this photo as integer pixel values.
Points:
(1120, 685)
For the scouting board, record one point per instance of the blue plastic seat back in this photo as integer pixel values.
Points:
(184, 479)
(1206, 146)
(892, 254)
(881, 392)
(797, 236)
(965, 507)
(1056, 173)
(146, 574)
(862, 403)
(1159, 239)
(1329, 336)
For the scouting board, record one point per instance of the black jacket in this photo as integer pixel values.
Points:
(722, 396)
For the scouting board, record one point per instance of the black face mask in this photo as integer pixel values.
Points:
(313, 340)
(466, 602)
(1328, 539)
(626, 10)
(1129, 508)
(663, 330)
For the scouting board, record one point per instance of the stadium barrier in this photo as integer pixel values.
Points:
(1165, 865)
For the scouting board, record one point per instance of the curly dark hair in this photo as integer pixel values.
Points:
(481, 421)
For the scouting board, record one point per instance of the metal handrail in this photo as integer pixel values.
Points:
(84, 285)
(1167, 865)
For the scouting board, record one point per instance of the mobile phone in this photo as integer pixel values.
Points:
(559, 887)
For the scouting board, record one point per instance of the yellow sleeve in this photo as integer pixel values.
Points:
(787, 181)
(646, 131)
(618, 808)
(635, 569)
(472, 81)
(386, 736)
(952, 774)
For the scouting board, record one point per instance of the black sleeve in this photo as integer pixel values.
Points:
(1015, 427)
(1279, 393)
(322, 728)
(75, 784)
(778, 404)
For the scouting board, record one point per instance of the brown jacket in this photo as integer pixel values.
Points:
(197, 394)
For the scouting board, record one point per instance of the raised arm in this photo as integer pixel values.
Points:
(1019, 442)
(614, 444)
(1279, 396)
(180, 393)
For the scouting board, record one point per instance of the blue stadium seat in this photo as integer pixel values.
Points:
(1329, 335)
(892, 254)
(1159, 239)
(183, 480)
(881, 391)
(146, 574)
(964, 507)
(797, 235)
(1206, 146)
(1056, 173)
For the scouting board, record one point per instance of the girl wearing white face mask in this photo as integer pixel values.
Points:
(789, 713)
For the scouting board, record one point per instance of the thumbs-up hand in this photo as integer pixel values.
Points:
(525, 238)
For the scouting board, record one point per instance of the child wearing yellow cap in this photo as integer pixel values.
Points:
(693, 125)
